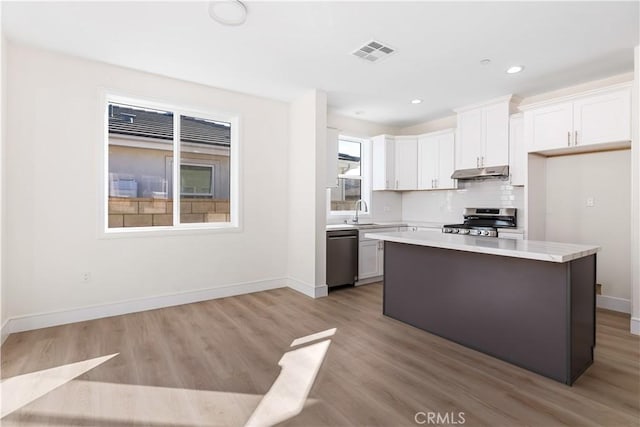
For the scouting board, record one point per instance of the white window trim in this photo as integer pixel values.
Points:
(107, 96)
(365, 176)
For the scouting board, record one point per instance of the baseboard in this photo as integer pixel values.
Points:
(613, 303)
(4, 331)
(45, 320)
(307, 288)
(369, 281)
(635, 325)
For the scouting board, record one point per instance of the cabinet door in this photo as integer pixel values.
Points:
(469, 142)
(517, 152)
(332, 157)
(383, 166)
(549, 127)
(428, 157)
(446, 155)
(495, 135)
(406, 163)
(603, 118)
(368, 259)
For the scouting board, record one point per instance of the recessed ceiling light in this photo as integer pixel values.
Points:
(228, 12)
(485, 62)
(416, 101)
(515, 69)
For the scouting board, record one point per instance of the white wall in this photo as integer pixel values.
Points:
(359, 128)
(54, 147)
(3, 102)
(446, 206)
(605, 177)
(306, 186)
(635, 198)
(431, 126)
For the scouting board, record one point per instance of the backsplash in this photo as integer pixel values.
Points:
(447, 205)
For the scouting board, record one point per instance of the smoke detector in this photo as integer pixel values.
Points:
(373, 51)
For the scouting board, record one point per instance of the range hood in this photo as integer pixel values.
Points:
(480, 173)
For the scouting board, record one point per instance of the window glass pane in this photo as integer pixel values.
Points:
(140, 141)
(345, 195)
(349, 154)
(204, 170)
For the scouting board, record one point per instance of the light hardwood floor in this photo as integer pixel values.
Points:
(210, 363)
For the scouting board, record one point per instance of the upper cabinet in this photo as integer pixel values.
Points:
(579, 123)
(406, 157)
(383, 153)
(405, 163)
(332, 157)
(436, 160)
(483, 135)
(517, 150)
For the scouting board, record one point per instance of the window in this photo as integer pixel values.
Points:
(352, 176)
(144, 180)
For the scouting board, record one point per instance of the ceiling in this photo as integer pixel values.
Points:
(285, 48)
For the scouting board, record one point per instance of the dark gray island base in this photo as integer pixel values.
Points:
(539, 315)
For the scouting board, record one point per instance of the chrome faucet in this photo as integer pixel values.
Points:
(359, 204)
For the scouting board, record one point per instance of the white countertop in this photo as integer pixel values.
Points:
(364, 225)
(529, 249)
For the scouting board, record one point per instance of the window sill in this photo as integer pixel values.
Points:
(182, 230)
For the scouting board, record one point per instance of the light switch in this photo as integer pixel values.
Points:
(590, 202)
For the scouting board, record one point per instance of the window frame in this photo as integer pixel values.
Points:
(365, 178)
(108, 96)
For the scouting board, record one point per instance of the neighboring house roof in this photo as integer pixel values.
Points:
(159, 125)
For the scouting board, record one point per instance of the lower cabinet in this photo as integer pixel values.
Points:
(371, 256)
(370, 259)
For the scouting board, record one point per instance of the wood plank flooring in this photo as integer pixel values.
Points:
(210, 363)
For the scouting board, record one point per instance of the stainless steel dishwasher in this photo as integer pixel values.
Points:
(342, 257)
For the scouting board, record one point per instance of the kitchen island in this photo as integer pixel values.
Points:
(529, 303)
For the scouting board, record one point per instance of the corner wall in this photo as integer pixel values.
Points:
(3, 103)
(635, 198)
(54, 141)
(306, 187)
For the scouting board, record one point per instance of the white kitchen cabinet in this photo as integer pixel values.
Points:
(436, 160)
(369, 259)
(495, 135)
(583, 121)
(603, 118)
(383, 153)
(469, 141)
(517, 151)
(483, 135)
(549, 127)
(332, 157)
(371, 255)
(406, 165)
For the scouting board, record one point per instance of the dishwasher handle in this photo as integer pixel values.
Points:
(341, 237)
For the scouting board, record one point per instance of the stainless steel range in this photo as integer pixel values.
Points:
(484, 221)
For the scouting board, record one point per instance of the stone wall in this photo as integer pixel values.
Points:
(147, 212)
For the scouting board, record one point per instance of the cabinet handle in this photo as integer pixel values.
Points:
(568, 139)
(482, 161)
(575, 138)
(396, 184)
(477, 162)
(437, 183)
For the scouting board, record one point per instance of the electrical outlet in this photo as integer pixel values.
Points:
(590, 202)
(85, 277)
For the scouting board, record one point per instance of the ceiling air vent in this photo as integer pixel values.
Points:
(373, 51)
